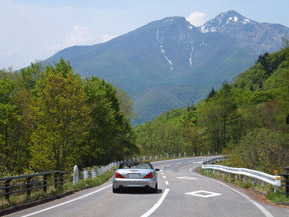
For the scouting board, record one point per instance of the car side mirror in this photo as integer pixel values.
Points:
(157, 169)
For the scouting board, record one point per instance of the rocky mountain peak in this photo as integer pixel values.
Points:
(226, 20)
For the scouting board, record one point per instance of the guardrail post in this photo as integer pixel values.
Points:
(56, 180)
(236, 177)
(28, 186)
(262, 183)
(93, 173)
(7, 189)
(45, 183)
(75, 175)
(253, 181)
(85, 174)
(244, 178)
(219, 174)
(61, 179)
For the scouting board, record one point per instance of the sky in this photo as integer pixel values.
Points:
(33, 30)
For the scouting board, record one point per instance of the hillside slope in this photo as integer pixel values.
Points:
(248, 119)
(172, 52)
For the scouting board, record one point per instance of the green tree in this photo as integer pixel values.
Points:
(61, 117)
(110, 136)
(8, 117)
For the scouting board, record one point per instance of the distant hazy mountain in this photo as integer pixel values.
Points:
(170, 63)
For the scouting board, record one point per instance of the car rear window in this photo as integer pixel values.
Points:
(136, 165)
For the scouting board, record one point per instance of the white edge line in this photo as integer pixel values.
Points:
(149, 212)
(265, 211)
(61, 204)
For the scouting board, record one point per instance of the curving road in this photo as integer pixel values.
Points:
(182, 192)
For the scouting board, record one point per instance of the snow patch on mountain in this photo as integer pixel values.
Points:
(160, 40)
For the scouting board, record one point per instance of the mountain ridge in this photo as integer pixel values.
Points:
(172, 52)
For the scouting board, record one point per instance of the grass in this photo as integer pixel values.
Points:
(18, 199)
(277, 197)
(267, 190)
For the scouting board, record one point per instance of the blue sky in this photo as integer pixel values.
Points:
(36, 29)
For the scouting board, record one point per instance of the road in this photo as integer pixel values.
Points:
(182, 192)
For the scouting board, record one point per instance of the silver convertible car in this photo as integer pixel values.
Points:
(135, 174)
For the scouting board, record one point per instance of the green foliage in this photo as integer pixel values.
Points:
(61, 116)
(248, 119)
(50, 119)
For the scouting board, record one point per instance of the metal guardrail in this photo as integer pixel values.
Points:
(264, 177)
(27, 183)
(216, 159)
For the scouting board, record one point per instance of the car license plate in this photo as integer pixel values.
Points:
(133, 175)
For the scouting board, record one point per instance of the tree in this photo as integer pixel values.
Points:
(125, 104)
(211, 94)
(110, 134)
(8, 117)
(61, 117)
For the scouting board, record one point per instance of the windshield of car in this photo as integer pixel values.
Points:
(135, 165)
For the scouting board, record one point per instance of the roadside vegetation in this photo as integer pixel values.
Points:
(51, 119)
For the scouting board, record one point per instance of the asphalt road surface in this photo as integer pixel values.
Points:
(182, 192)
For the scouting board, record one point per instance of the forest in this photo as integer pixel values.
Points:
(248, 119)
(51, 119)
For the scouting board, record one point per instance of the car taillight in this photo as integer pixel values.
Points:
(149, 176)
(118, 175)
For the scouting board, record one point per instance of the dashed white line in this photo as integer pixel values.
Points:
(164, 177)
(167, 183)
(148, 213)
(61, 204)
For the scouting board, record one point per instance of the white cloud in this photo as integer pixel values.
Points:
(79, 35)
(197, 18)
(107, 37)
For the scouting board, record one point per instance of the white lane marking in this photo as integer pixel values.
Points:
(162, 173)
(61, 204)
(164, 177)
(204, 194)
(198, 162)
(167, 183)
(149, 212)
(263, 210)
(186, 177)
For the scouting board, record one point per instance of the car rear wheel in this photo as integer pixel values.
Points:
(155, 190)
(115, 190)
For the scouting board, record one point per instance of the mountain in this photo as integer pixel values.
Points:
(170, 63)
